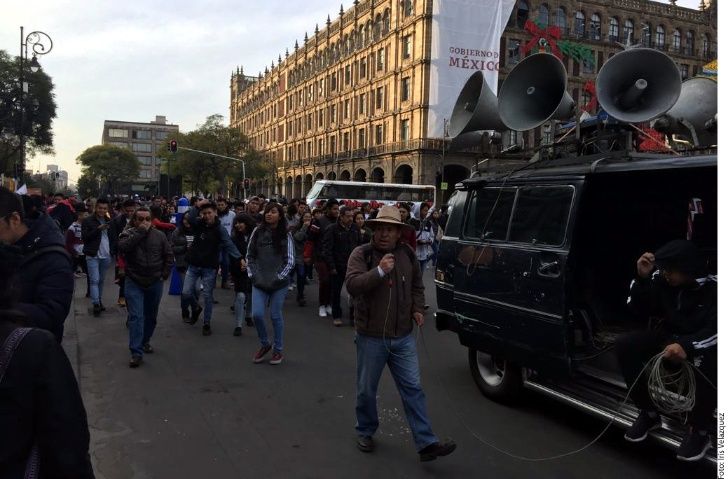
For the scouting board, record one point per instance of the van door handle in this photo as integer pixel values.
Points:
(548, 269)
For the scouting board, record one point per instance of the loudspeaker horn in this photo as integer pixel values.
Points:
(693, 112)
(534, 92)
(638, 85)
(476, 108)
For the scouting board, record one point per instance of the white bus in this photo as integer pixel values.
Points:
(357, 192)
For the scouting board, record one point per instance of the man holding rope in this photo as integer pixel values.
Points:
(673, 287)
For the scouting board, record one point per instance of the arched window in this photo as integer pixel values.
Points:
(706, 46)
(595, 27)
(613, 29)
(690, 42)
(676, 40)
(408, 8)
(378, 27)
(628, 32)
(646, 35)
(561, 19)
(579, 24)
(522, 13)
(368, 33)
(543, 15)
(385, 22)
(660, 36)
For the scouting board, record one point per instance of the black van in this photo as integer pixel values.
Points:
(535, 265)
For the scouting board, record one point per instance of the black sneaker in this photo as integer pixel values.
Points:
(694, 446)
(103, 308)
(249, 322)
(186, 316)
(232, 308)
(206, 331)
(147, 348)
(196, 314)
(238, 331)
(97, 310)
(135, 361)
(365, 443)
(438, 449)
(645, 422)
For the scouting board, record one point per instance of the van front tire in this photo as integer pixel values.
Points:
(496, 378)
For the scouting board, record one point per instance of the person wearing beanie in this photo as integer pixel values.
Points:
(673, 286)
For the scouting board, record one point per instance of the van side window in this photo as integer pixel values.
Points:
(455, 214)
(541, 215)
(489, 213)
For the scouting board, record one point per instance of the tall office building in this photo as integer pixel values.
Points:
(354, 101)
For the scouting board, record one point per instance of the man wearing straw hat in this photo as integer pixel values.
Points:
(389, 298)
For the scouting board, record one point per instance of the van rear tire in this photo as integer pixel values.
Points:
(496, 378)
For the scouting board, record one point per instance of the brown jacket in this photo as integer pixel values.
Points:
(378, 307)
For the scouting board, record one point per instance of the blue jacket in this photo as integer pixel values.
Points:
(45, 279)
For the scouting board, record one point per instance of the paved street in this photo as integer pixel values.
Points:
(199, 408)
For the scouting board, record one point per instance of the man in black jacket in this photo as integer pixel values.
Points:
(46, 276)
(315, 232)
(684, 300)
(148, 263)
(204, 259)
(337, 243)
(117, 226)
(98, 243)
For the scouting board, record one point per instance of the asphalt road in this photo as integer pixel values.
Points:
(199, 408)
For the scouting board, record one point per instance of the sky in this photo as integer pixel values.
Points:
(136, 59)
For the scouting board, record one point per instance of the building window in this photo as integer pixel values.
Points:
(404, 130)
(161, 135)
(689, 43)
(613, 30)
(660, 36)
(362, 103)
(407, 8)
(561, 19)
(362, 138)
(321, 118)
(628, 31)
(346, 141)
(543, 15)
(595, 27)
(588, 66)
(380, 59)
(333, 82)
(646, 35)
(579, 24)
(362, 69)
(347, 75)
(380, 98)
(706, 46)
(684, 71)
(379, 135)
(141, 147)
(347, 109)
(676, 41)
(522, 13)
(321, 146)
(118, 133)
(145, 174)
(332, 144)
(141, 134)
(145, 160)
(407, 46)
(406, 88)
(514, 51)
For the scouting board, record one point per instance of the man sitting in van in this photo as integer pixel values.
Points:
(673, 287)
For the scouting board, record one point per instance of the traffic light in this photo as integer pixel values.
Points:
(173, 146)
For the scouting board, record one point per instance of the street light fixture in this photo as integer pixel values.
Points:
(40, 44)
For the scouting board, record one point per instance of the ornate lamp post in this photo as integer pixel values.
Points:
(40, 44)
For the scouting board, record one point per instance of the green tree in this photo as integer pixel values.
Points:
(115, 168)
(87, 187)
(207, 173)
(40, 110)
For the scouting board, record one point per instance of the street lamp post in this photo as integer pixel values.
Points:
(40, 44)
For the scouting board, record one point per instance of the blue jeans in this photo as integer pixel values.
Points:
(224, 268)
(96, 272)
(142, 305)
(207, 276)
(372, 354)
(239, 308)
(260, 300)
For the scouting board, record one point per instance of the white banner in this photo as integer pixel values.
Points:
(465, 38)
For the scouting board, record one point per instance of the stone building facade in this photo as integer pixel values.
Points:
(350, 103)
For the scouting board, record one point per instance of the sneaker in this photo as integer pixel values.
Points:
(97, 310)
(337, 322)
(238, 331)
(121, 302)
(258, 358)
(135, 361)
(147, 348)
(232, 308)
(437, 449)
(322, 311)
(365, 443)
(645, 422)
(206, 331)
(103, 308)
(249, 322)
(694, 446)
(196, 314)
(290, 288)
(329, 311)
(276, 359)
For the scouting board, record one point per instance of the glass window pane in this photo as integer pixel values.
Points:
(489, 213)
(541, 215)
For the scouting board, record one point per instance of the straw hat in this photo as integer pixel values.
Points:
(388, 215)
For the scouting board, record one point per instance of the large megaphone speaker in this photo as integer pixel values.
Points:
(694, 111)
(534, 92)
(476, 108)
(638, 85)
